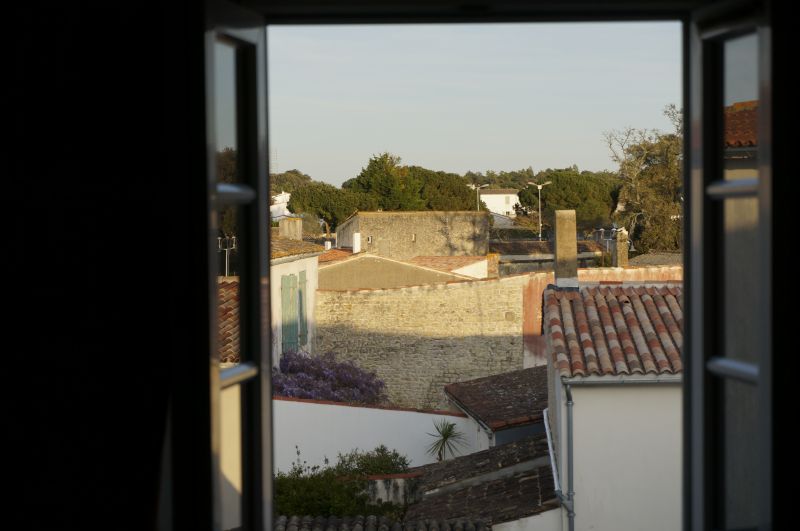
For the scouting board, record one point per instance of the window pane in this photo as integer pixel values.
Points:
(741, 257)
(741, 462)
(741, 106)
(225, 109)
(231, 457)
(740, 216)
(230, 256)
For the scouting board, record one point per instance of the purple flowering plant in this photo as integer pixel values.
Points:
(322, 377)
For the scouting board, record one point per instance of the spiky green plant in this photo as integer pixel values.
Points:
(447, 438)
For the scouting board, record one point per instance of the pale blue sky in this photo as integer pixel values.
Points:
(465, 97)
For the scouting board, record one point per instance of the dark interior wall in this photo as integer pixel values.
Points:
(106, 117)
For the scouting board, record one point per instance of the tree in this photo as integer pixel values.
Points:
(227, 173)
(442, 190)
(447, 438)
(329, 203)
(590, 194)
(394, 186)
(650, 164)
(288, 181)
(340, 489)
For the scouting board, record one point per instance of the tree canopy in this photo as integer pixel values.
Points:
(650, 196)
(590, 194)
(288, 181)
(330, 204)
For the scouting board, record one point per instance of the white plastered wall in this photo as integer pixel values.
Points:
(546, 521)
(309, 265)
(479, 269)
(325, 430)
(627, 443)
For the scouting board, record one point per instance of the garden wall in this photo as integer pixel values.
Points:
(324, 429)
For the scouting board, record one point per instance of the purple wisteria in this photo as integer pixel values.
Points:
(323, 378)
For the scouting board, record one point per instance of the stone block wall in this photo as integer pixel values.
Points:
(405, 235)
(418, 339)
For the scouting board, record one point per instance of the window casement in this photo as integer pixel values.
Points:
(728, 228)
(711, 372)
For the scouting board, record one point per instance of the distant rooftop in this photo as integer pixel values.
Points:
(370, 523)
(504, 400)
(615, 330)
(501, 484)
(741, 124)
(446, 263)
(334, 255)
(498, 191)
(283, 247)
(536, 247)
(657, 258)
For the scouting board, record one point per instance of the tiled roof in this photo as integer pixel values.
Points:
(371, 523)
(446, 263)
(499, 191)
(228, 324)
(741, 124)
(657, 258)
(537, 247)
(504, 400)
(492, 486)
(282, 247)
(332, 255)
(615, 330)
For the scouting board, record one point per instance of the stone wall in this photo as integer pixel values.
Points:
(367, 271)
(404, 235)
(418, 339)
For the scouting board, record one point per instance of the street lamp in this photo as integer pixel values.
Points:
(477, 194)
(540, 186)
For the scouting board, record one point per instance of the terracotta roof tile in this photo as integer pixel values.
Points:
(446, 263)
(282, 247)
(615, 330)
(228, 319)
(504, 400)
(475, 487)
(332, 255)
(741, 124)
(370, 523)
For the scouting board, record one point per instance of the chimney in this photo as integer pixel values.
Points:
(291, 228)
(356, 242)
(566, 245)
(620, 257)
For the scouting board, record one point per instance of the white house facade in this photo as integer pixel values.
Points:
(501, 201)
(279, 208)
(294, 274)
(615, 405)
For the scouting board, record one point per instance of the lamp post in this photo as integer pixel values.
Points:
(539, 187)
(477, 194)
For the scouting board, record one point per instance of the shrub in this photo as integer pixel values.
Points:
(338, 490)
(324, 378)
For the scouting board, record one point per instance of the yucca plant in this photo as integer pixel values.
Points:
(447, 438)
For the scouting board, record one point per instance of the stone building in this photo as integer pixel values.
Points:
(405, 235)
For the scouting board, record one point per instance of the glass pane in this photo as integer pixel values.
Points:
(740, 216)
(225, 111)
(741, 462)
(741, 107)
(231, 456)
(229, 256)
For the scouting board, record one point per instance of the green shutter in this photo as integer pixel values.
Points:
(301, 309)
(288, 313)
